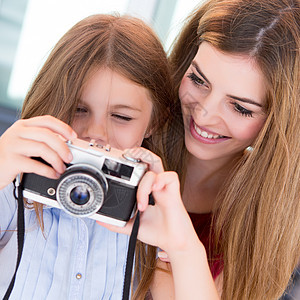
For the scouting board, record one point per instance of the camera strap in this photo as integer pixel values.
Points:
(20, 234)
(130, 256)
(130, 252)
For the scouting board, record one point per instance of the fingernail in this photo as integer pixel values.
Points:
(162, 255)
(140, 206)
(70, 157)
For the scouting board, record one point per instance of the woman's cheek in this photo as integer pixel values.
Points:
(249, 133)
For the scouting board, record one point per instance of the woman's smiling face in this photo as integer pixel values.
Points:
(222, 97)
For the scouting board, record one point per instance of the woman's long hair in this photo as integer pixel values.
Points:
(257, 220)
(258, 210)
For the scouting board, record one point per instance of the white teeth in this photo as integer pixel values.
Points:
(205, 134)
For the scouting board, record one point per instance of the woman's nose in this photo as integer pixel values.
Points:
(208, 108)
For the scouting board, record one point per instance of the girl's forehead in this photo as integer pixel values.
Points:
(106, 85)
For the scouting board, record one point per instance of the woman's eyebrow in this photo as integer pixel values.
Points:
(242, 99)
(195, 65)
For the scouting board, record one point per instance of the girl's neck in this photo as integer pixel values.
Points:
(203, 180)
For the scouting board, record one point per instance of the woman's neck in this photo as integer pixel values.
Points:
(203, 180)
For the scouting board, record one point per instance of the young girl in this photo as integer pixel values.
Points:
(107, 79)
(236, 69)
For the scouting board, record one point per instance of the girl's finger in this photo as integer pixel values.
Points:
(49, 138)
(38, 149)
(33, 166)
(51, 123)
(124, 230)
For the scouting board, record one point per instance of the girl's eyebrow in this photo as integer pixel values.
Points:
(123, 106)
(242, 99)
(195, 65)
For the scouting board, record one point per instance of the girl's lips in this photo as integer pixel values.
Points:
(205, 137)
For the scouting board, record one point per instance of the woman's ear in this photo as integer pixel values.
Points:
(148, 134)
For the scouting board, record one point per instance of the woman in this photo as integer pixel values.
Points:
(236, 70)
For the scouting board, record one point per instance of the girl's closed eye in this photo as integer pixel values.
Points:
(81, 110)
(121, 117)
(242, 110)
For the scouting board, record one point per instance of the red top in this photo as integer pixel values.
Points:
(202, 223)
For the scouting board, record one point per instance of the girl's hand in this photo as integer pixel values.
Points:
(43, 137)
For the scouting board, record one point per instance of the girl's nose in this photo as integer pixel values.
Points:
(97, 130)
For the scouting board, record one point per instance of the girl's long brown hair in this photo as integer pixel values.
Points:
(122, 43)
(257, 220)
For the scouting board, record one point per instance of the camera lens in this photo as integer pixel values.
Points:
(81, 190)
(79, 195)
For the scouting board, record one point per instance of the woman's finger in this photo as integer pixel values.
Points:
(144, 190)
(152, 160)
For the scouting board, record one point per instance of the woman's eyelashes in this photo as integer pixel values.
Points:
(196, 79)
(242, 110)
(199, 82)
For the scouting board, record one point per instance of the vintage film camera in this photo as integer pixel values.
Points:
(99, 183)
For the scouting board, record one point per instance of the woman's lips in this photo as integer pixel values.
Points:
(206, 137)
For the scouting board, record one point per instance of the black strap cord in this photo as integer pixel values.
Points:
(130, 252)
(130, 256)
(20, 236)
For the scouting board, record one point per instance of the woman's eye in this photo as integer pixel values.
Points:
(195, 79)
(121, 117)
(243, 111)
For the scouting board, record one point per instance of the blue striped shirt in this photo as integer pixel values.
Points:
(73, 258)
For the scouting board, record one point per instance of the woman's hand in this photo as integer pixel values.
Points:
(43, 137)
(166, 224)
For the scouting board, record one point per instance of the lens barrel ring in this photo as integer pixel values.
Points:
(89, 180)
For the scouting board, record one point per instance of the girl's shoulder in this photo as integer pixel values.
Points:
(8, 214)
(7, 194)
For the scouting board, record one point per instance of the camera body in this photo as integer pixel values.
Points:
(99, 183)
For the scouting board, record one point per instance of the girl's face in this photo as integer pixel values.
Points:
(113, 110)
(222, 98)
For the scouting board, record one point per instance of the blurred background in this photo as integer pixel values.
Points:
(30, 28)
